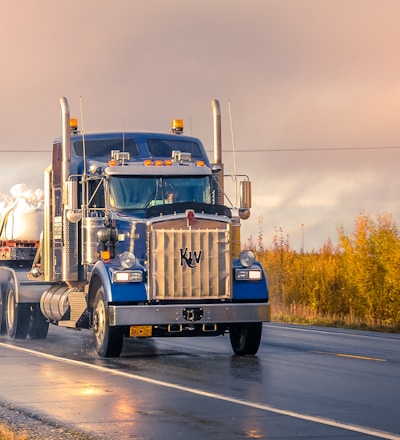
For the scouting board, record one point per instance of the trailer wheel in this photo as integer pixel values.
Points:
(2, 313)
(108, 340)
(245, 338)
(16, 315)
(39, 325)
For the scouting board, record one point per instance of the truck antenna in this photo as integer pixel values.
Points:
(83, 136)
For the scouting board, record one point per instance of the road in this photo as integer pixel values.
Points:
(305, 382)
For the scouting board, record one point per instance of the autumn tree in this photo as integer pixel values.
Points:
(371, 259)
(358, 279)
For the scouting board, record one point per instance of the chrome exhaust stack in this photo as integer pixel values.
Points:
(65, 139)
(218, 166)
(69, 266)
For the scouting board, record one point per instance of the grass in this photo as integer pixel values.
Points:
(304, 316)
(7, 434)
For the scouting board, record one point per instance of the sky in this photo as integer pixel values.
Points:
(309, 93)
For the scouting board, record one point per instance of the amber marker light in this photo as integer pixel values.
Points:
(73, 124)
(200, 163)
(168, 162)
(147, 162)
(158, 163)
(105, 255)
(112, 163)
(177, 126)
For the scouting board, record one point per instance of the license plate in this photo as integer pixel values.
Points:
(140, 331)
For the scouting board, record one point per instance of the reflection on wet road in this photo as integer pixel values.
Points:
(305, 382)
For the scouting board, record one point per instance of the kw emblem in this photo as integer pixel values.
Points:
(191, 259)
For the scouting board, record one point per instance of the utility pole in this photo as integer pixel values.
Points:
(260, 242)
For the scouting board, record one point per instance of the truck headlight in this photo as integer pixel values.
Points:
(248, 274)
(247, 258)
(127, 276)
(127, 260)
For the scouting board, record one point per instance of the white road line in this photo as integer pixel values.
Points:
(216, 396)
(334, 331)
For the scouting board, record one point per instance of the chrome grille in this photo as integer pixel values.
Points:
(190, 264)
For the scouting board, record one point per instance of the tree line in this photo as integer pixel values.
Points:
(357, 280)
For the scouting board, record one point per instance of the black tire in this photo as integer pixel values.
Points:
(2, 313)
(108, 340)
(39, 325)
(17, 315)
(245, 338)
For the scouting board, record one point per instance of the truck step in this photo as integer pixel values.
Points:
(77, 307)
(69, 324)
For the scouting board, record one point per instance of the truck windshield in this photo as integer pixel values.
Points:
(140, 193)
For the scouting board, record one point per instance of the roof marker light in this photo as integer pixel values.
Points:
(73, 125)
(158, 163)
(168, 162)
(148, 162)
(200, 163)
(177, 126)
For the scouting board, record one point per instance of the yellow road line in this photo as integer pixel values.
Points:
(352, 356)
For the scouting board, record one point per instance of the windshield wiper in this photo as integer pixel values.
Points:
(151, 197)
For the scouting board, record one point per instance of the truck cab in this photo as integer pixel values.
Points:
(138, 242)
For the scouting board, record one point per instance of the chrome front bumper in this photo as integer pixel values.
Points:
(188, 313)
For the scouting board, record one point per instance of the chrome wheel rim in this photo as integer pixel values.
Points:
(99, 321)
(10, 309)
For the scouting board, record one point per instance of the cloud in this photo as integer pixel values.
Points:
(299, 76)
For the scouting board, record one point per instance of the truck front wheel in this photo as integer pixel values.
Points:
(108, 340)
(245, 338)
(16, 315)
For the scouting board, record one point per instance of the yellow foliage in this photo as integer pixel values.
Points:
(359, 279)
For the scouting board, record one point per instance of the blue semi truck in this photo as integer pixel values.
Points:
(137, 242)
